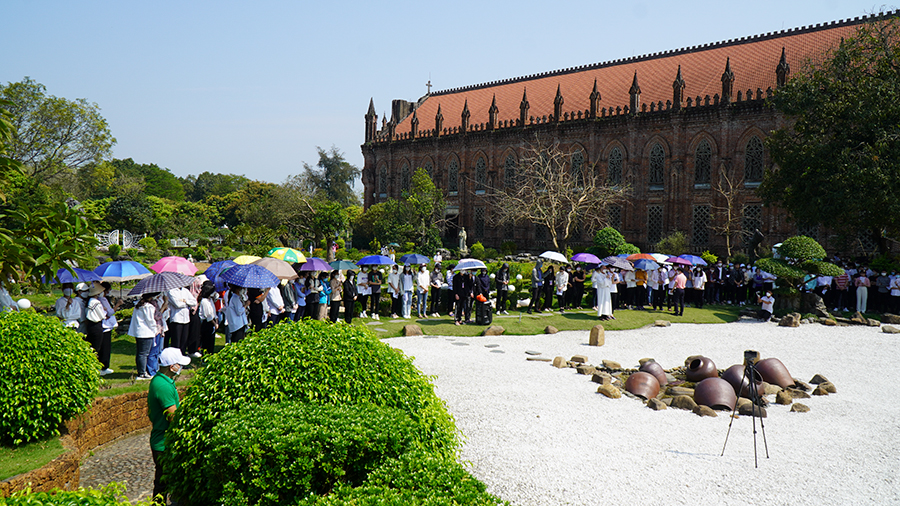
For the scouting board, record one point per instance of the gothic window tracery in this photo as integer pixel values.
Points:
(404, 177)
(509, 172)
(753, 160)
(453, 177)
(657, 167)
(614, 171)
(578, 168)
(382, 180)
(480, 175)
(702, 163)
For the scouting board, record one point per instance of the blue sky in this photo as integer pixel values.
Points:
(253, 87)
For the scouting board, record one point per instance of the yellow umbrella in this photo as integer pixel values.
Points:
(289, 255)
(245, 259)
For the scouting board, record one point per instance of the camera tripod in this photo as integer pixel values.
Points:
(750, 359)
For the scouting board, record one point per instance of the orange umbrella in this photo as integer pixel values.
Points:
(640, 256)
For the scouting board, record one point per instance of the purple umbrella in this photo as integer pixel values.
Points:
(315, 264)
(678, 261)
(586, 258)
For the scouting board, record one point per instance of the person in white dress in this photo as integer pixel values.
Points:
(604, 299)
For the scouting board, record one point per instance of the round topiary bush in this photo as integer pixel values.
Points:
(301, 449)
(310, 362)
(49, 374)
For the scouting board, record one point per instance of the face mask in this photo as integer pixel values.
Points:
(178, 371)
(67, 292)
(884, 274)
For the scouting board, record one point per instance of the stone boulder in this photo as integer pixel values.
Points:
(550, 329)
(783, 398)
(609, 364)
(828, 322)
(598, 336)
(799, 408)
(675, 391)
(820, 390)
(656, 404)
(585, 369)
(887, 329)
(602, 378)
(578, 359)
(829, 387)
(609, 391)
(818, 379)
(796, 393)
(790, 320)
(704, 411)
(412, 330)
(748, 409)
(560, 363)
(493, 330)
(684, 402)
(859, 319)
(890, 318)
(662, 323)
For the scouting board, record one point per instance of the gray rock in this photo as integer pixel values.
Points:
(799, 408)
(800, 385)
(676, 391)
(578, 359)
(704, 411)
(532, 352)
(818, 379)
(493, 330)
(550, 329)
(791, 320)
(497, 351)
(459, 343)
(871, 322)
(890, 318)
(667, 401)
(683, 402)
(538, 359)
(662, 323)
(598, 336)
(887, 329)
(492, 346)
(656, 404)
(412, 330)
(796, 393)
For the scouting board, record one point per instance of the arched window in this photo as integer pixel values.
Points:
(453, 177)
(657, 167)
(382, 181)
(614, 171)
(700, 226)
(578, 168)
(404, 177)
(702, 163)
(509, 172)
(480, 175)
(753, 160)
(429, 168)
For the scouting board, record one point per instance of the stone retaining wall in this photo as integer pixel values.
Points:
(107, 419)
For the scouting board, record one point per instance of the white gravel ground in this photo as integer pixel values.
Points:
(538, 435)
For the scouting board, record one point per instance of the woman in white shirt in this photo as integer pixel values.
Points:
(562, 282)
(181, 300)
(603, 283)
(396, 293)
(236, 313)
(363, 290)
(69, 308)
(144, 330)
(407, 286)
(94, 314)
(207, 314)
(423, 281)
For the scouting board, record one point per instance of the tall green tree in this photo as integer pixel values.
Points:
(207, 184)
(53, 136)
(838, 162)
(332, 178)
(158, 182)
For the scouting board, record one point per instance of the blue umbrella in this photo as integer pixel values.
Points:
(646, 265)
(214, 269)
(315, 264)
(375, 260)
(414, 258)
(468, 264)
(122, 270)
(81, 276)
(693, 259)
(250, 276)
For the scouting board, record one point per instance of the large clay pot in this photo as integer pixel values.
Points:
(657, 371)
(701, 368)
(774, 372)
(715, 393)
(735, 376)
(642, 384)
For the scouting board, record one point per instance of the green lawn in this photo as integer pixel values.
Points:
(521, 323)
(15, 461)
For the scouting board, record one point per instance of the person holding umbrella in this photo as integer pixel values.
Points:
(396, 294)
(236, 313)
(145, 331)
(407, 285)
(422, 282)
(206, 312)
(109, 323)
(375, 281)
(337, 295)
(436, 281)
(463, 289)
(363, 290)
(94, 314)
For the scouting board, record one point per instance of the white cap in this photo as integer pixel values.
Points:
(82, 287)
(172, 356)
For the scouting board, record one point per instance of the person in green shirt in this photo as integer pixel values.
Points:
(162, 401)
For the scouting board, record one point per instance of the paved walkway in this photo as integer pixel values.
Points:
(127, 460)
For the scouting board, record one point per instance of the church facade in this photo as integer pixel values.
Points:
(684, 129)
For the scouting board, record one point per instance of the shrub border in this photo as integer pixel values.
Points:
(108, 419)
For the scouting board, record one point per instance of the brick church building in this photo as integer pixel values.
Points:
(668, 124)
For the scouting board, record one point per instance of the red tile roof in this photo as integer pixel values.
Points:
(753, 61)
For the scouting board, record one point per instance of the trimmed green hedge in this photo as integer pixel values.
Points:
(274, 455)
(48, 374)
(303, 362)
(110, 495)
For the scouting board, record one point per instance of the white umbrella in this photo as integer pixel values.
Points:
(468, 264)
(556, 257)
(659, 257)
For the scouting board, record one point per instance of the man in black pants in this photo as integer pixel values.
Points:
(463, 289)
(537, 283)
(375, 281)
(680, 282)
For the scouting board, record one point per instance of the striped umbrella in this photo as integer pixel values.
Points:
(289, 255)
(175, 264)
(250, 276)
(162, 282)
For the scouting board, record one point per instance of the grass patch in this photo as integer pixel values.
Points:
(521, 323)
(30, 456)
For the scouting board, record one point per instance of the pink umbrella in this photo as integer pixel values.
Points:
(175, 264)
(678, 261)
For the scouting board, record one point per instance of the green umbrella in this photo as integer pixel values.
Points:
(342, 265)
